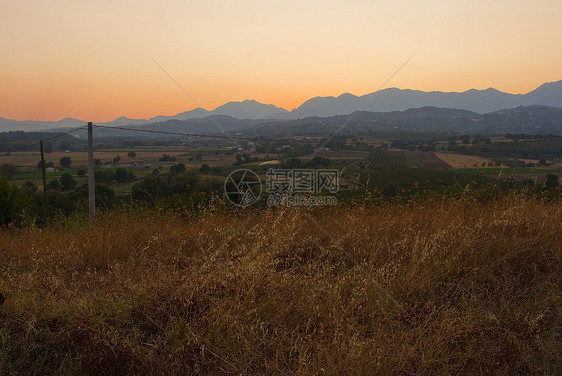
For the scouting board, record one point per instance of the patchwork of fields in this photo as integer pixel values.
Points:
(391, 165)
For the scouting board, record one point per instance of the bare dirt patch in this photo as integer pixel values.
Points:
(431, 161)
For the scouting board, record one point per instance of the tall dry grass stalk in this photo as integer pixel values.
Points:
(437, 288)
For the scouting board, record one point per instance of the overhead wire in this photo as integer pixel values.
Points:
(36, 143)
(212, 136)
(197, 135)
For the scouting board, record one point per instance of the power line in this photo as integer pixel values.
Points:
(192, 134)
(230, 137)
(48, 139)
(65, 133)
(199, 135)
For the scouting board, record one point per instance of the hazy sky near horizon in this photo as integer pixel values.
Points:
(91, 60)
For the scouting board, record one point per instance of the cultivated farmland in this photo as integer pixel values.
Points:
(390, 159)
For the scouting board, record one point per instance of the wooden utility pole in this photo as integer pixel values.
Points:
(91, 187)
(44, 178)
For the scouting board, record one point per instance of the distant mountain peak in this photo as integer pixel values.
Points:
(121, 118)
(248, 109)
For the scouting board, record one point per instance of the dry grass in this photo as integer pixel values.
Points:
(462, 160)
(441, 288)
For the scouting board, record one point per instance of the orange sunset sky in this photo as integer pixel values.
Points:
(90, 60)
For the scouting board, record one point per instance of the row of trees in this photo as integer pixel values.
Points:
(154, 187)
(23, 205)
(64, 162)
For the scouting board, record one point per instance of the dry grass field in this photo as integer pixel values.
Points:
(462, 160)
(444, 287)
